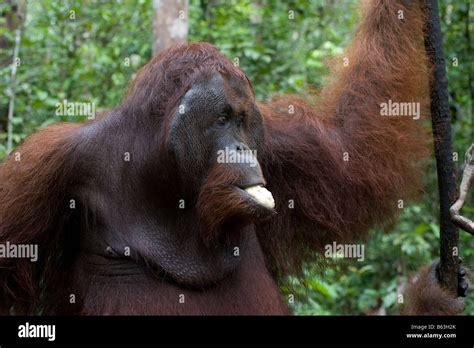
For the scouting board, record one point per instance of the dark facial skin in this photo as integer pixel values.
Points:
(219, 112)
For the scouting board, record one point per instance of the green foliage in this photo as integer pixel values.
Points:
(282, 46)
(79, 52)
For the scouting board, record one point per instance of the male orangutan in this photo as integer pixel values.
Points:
(193, 198)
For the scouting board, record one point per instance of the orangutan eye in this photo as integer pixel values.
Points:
(222, 120)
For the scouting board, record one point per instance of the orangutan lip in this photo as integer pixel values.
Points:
(260, 195)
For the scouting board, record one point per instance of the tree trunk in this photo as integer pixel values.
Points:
(14, 18)
(170, 23)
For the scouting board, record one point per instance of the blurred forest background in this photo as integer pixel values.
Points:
(87, 51)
